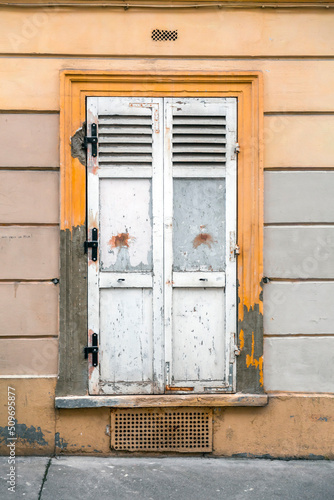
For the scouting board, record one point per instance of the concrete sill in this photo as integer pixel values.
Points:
(162, 400)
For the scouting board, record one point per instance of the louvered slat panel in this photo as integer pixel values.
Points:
(125, 140)
(199, 140)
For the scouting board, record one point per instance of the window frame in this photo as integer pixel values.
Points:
(247, 87)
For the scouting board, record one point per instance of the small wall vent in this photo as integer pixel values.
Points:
(164, 35)
(182, 429)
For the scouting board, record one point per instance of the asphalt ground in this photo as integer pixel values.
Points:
(168, 478)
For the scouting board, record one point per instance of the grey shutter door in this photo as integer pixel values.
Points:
(200, 222)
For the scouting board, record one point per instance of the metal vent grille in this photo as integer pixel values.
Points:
(164, 35)
(125, 140)
(199, 141)
(182, 430)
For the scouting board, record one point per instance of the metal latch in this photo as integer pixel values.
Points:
(92, 140)
(93, 349)
(93, 244)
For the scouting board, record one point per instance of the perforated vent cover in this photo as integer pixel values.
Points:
(164, 35)
(181, 429)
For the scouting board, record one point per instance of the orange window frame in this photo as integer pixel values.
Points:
(247, 87)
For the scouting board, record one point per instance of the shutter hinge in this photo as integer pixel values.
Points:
(93, 349)
(234, 247)
(235, 351)
(237, 148)
(92, 140)
(93, 244)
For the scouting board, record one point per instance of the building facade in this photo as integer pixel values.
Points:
(167, 227)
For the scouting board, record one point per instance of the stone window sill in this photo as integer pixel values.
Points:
(215, 400)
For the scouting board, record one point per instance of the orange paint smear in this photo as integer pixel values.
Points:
(121, 240)
(242, 340)
(251, 361)
(203, 239)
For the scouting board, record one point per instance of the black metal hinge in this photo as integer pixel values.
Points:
(93, 244)
(93, 349)
(92, 140)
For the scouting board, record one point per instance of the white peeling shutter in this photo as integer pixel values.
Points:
(125, 196)
(200, 226)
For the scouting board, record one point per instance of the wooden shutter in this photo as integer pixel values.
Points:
(125, 283)
(162, 293)
(200, 228)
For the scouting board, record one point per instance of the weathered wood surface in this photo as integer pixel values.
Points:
(29, 140)
(217, 34)
(28, 309)
(289, 85)
(298, 197)
(29, 252)
(299, 252)
(299, 364)
(36, 357)
(164, 401)
(299, 141)
(29, 197)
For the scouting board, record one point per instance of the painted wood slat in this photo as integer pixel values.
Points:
(29, 197)
(300, 364)
(299, 252)
(29, 252)
(128, 158)
(194, 139)
(29, 140)
(28, 356)
(199, 121)
(28, 309)
(105, 138)
(202, 131)
(198, 149)
(122, 129)
(124, 171)
(128, 148)
(299, 141)
(125, 280)
(298, 308)
(196, 171)
(280, 34)
(298, 197)
(199, 280)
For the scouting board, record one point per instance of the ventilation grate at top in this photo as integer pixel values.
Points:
(166, 429)
(164, 35)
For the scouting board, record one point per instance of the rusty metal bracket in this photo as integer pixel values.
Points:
(92, 140)
(94, 350)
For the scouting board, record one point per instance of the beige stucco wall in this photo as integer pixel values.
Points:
(298, 71)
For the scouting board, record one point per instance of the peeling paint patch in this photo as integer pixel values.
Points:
(203, 239)
(30, 434)
(250, 330)
(59, 442)
(121, 240)
(77, 144)
(258, 363)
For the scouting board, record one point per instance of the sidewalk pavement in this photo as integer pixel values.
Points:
(169, 478)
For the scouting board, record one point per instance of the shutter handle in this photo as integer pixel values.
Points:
(203, 279)
(120, 280)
